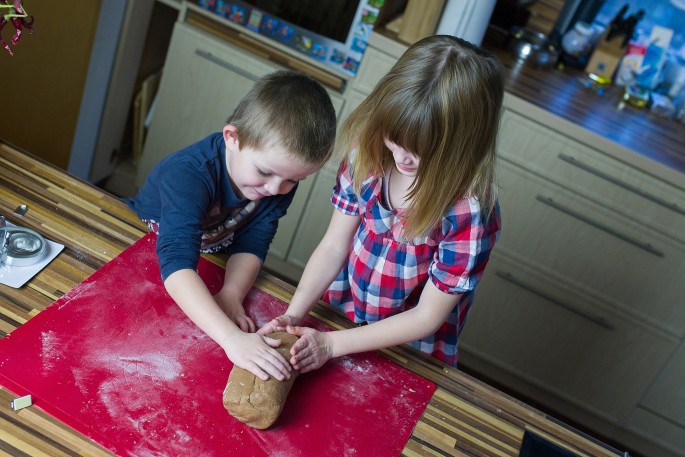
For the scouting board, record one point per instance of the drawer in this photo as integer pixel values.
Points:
(561, 341)
(618, 186)
(667, 395)
(656, 428)
(578, 242)
(374, 66)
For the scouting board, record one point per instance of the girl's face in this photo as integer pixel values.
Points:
(262, 172)
(406, 162)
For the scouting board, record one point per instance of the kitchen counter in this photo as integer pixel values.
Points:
(464, 416)
(583, 112)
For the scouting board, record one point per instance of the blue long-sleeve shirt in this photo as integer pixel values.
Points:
(191, 197)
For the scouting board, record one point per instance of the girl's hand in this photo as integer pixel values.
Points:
(311, 351)
(255, 354)
(278, 324)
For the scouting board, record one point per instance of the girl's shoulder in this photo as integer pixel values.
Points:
(370, 185)
(469, 210)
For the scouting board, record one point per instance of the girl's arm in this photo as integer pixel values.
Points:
(250, 351)
(322, 267)
(314, 348)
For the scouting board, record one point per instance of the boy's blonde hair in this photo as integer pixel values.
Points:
(291, 110)
(441, 101)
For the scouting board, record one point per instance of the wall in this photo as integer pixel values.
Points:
(658, 12)
(43, 83)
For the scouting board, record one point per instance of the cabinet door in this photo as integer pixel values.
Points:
(204, 78)
(591, 248)
(562, 341)
(587, 171)
(667, 395)
(354, 98)
(374, 66)
(315, 218)
(658, 428)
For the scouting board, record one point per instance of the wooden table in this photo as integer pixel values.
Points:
(464, 417)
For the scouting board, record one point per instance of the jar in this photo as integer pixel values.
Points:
(578, 41)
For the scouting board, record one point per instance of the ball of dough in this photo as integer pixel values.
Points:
(255, 402)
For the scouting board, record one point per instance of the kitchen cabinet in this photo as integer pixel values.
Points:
(624, 228)
(538, 313)
(581, 304)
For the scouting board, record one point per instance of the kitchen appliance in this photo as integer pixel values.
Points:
(23, 252)
(117, 360)
(532, 48)
(21, 247)
(334, 32)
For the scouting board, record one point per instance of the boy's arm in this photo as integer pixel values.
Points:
(322, 267)
(314, 348)
(250, 351)
(241, 272)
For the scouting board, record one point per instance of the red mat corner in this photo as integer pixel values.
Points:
(117, 360)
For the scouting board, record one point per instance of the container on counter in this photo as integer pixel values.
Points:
(578, 41)
(576, 45)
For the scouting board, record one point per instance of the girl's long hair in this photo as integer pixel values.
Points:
(441, 101)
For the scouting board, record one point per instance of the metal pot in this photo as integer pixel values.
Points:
(534, 48)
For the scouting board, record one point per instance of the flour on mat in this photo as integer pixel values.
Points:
(50, 350)
(155, 366)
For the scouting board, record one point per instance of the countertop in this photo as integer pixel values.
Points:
(634, 135)
(464, 416)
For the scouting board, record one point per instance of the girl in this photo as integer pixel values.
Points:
(417, 213)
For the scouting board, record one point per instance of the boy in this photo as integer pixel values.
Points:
(227, 192)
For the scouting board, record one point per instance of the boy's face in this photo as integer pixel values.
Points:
(262, 172)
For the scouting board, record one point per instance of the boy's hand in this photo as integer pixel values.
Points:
(244, 322)
(311, 351)
(255, 354)
(237, 314)
(278, 324)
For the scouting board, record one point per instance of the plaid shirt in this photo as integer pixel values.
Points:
(385, 275)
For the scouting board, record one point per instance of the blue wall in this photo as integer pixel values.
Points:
(658, 12)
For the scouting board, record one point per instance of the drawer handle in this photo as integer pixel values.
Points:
(607, 177)
(585, 315)
(628, 239)
(229, 66)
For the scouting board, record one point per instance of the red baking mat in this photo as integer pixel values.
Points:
(117, 360)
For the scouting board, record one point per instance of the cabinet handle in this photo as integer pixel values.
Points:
(568, 307)
(227, 65)
(607, 177)
(628, 239)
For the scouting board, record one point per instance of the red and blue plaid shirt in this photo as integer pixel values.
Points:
(385, 275)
